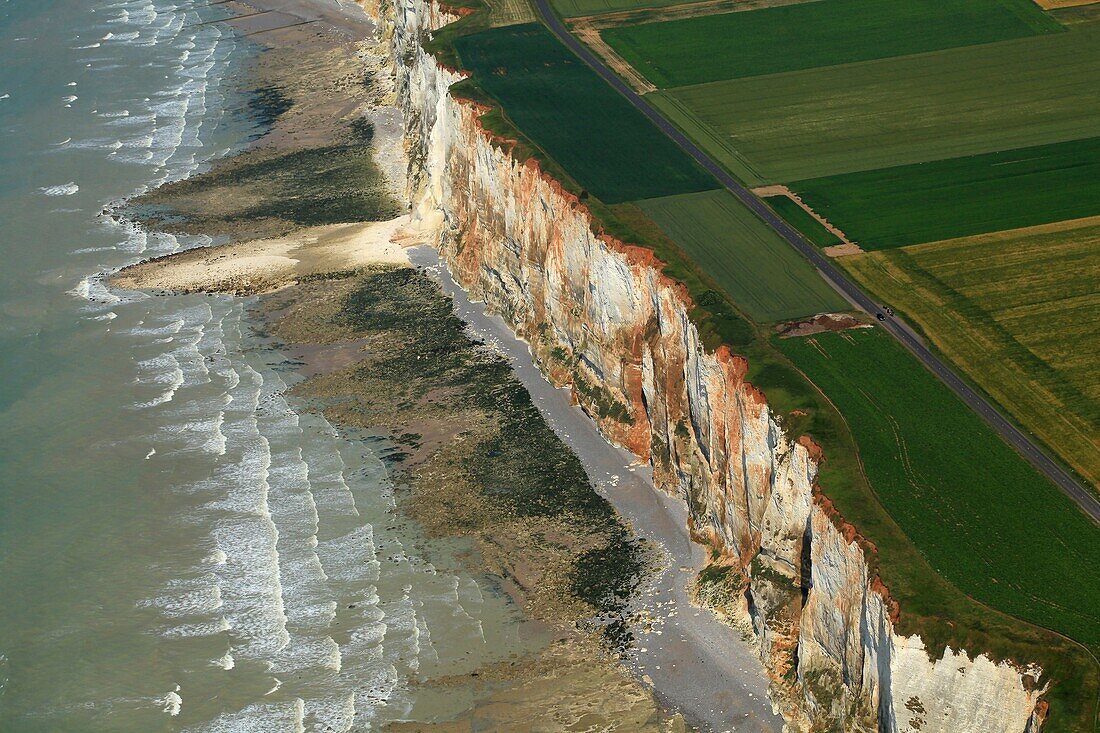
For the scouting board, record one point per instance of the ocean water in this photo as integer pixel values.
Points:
(179, 549)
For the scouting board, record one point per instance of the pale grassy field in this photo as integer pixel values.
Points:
(877, 114)
(1017, 311)
(763, 275)
(510, 12)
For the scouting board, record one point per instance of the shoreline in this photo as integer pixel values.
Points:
(697, 665)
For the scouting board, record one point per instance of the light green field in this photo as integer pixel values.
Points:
(759, 271)
(510, 12)
(883, 113)
(577, 8)
(808, 35)
(1017, 311)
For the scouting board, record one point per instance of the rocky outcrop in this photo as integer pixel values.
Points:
(601, 317)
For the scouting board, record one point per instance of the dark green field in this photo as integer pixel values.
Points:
(808, 35)
(759, 271)
(796, 216)
(944, 199)
(981, 515)
(575, 118)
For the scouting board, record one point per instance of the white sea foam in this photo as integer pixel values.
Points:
(64, 189)
(172, 702)
(92, 289)
(283, 717)
(287, 546)
(161, 370)
(187, 597)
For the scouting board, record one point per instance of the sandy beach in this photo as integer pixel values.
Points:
(263, 265)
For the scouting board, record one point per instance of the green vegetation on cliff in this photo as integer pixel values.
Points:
(952, 483)
(961, 503)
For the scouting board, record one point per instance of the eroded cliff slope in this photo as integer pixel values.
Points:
(601, 317)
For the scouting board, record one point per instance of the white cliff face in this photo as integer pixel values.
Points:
(602, 317)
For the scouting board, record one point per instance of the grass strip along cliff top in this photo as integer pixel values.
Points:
(605, 144)
(812, 34)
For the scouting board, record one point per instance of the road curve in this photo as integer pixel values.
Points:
(896, 327)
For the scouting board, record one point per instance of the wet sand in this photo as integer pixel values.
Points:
(696, 664)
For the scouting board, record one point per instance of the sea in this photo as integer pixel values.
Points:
(181, 547)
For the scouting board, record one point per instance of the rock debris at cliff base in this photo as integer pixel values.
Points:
(476, 462)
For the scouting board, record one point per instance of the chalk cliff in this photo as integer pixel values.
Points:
(601, 317)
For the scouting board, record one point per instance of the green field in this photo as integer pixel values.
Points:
(944, 199)
(982, 516)
(576, 8)
(813, 34)
(796, 216)
(763, 274)
(1017, 312)
(575, 118)
(879, 114)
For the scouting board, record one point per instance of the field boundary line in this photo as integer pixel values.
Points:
(1085, 499)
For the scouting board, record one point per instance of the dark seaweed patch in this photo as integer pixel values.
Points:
(332, 184)
(524, 466)
(266, 105)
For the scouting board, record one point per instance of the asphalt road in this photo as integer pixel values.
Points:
(896, 327)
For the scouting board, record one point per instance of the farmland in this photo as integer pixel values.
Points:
(893, 207)
(1017, 312)
(576, 8)
(713, 250)
(813, 34)
(890, 112)
(572, 116)
(761, 272)
(797, 217)
(981, 515)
